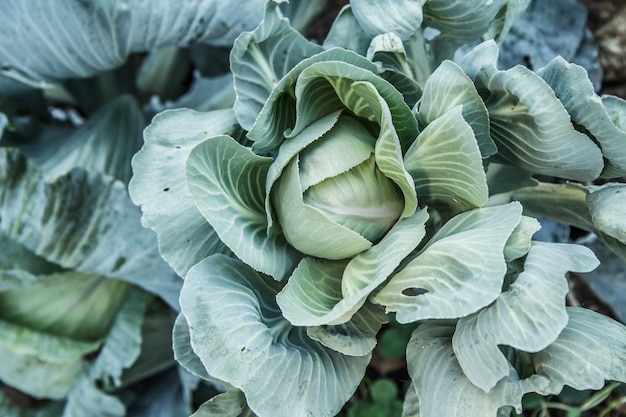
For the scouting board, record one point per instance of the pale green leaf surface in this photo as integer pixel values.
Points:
(306, 228)
(82, 221)
(259, 59)
(302, 13)
(227, 183)
(445, 163)
(233, 316)
(356, 337)
(228, 404)
(590, 350)
(502, 178)
(443, 389)
(159, 184)
(503, 22)
(529, 125)
(69, 304)
(80, 39)
(16, 259)
(607, 207)
(279, 113)
(290, 148)
(519, 242)
(361, 199)
(346, 32)
(105, 143)
(459, 22)
(319, 160)
(449, 87)
(40, 364)
(403, 18)
(460, 270)
(528, 316)
(123, 343)
(183, 353)
(572, 86)
(329, 293)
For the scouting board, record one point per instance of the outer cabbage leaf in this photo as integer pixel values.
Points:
(529, 125)
(239, 334)
(81, 221)
(39, 363)
(105, 143)
(528, 316)
(590, 350)
(572, 86)
(259, 59)
(231, 403)
(80, 39)
(459, 22)
(402, 18)
(346, 32)
(445, 164)
(447, 88)
(460, 270)
(159, 184)
(443, 389)
(231, 196)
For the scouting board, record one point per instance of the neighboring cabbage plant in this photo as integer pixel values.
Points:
(373, 175)
(86, 302)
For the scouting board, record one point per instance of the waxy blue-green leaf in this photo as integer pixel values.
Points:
(402, 18)
(227, 183)
(572, 86)
(323, 292)
(279, 113)
(443, 389)
(105, 143)
(460, 270)
(259, 59)
(346, 32)
(528, 316)
(159, 184)
(520, 241)
(445, 163)
(588, 352)
(80, 39)
(607, 207)
(232, 315)
(68, 304)
(459, 22)
(39, 363)
(81, 221)
(529, 125)
(123, 343)
(183, 353)
(356, 337)
(447, 88)
(231, 403)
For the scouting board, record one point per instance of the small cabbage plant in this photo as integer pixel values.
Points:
(373, 175)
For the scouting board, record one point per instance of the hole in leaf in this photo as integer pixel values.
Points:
(413, 292)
